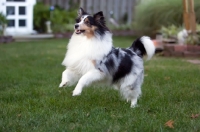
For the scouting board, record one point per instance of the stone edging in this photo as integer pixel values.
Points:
(176, 50)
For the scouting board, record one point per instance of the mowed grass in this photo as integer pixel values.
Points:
(30, 99)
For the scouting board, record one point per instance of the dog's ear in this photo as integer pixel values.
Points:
(98, 16)
(81, 12)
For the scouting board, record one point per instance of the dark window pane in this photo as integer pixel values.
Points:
(11, 23)
(22, 23)
(22, 10)
(10, 10)
(15, 0)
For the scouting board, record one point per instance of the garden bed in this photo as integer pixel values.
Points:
(181, 50)
(6, 39)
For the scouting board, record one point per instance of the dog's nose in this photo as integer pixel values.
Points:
(76, 26)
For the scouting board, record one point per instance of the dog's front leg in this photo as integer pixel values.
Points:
(87, 79)
(68, 78)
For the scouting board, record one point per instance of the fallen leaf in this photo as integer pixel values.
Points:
(88, 114)
(18, 115)
(167, 78)
(169, 124)
(195, 116)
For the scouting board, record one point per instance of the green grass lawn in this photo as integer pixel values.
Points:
(30, 99)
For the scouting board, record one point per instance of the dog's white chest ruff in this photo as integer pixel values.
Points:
(81, 51)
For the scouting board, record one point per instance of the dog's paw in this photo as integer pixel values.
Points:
(134, 103)
(76, 92)
(133, 106)
(62, 84)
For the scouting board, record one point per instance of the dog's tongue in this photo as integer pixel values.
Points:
(78, 31)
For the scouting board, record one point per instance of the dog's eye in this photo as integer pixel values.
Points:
(87, 22)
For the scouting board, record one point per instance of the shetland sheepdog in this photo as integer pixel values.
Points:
(91, 57)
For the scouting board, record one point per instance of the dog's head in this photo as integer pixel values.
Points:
(90, 25)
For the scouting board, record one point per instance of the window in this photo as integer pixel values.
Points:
(11, 23)
(10, 10)
(22, 23)
(22, 10)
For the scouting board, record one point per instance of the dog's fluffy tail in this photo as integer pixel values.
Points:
(142, 46)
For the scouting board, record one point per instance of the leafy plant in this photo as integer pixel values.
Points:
(3, 22)
(3, 19)
(170, 31)
(41, 15)
(193, 39)
(198, 28)
(59, 17)
(63, 20)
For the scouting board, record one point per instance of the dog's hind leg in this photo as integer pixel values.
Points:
(131, 94)
(135, 95)
(91, 76)
(131, 88)
(135, 91)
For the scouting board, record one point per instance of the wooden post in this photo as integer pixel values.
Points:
(192, 16)
(186, 15)
(189, 17)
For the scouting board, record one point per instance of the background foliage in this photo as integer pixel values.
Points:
(151, 15)
(3, 21)
(60, 18)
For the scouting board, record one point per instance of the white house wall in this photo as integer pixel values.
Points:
(17, 30)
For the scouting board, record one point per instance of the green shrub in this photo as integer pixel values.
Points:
(41, 15)
(61, 20)
(151, 15)
(3, 21)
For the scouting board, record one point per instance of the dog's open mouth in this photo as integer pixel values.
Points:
(79, 31)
